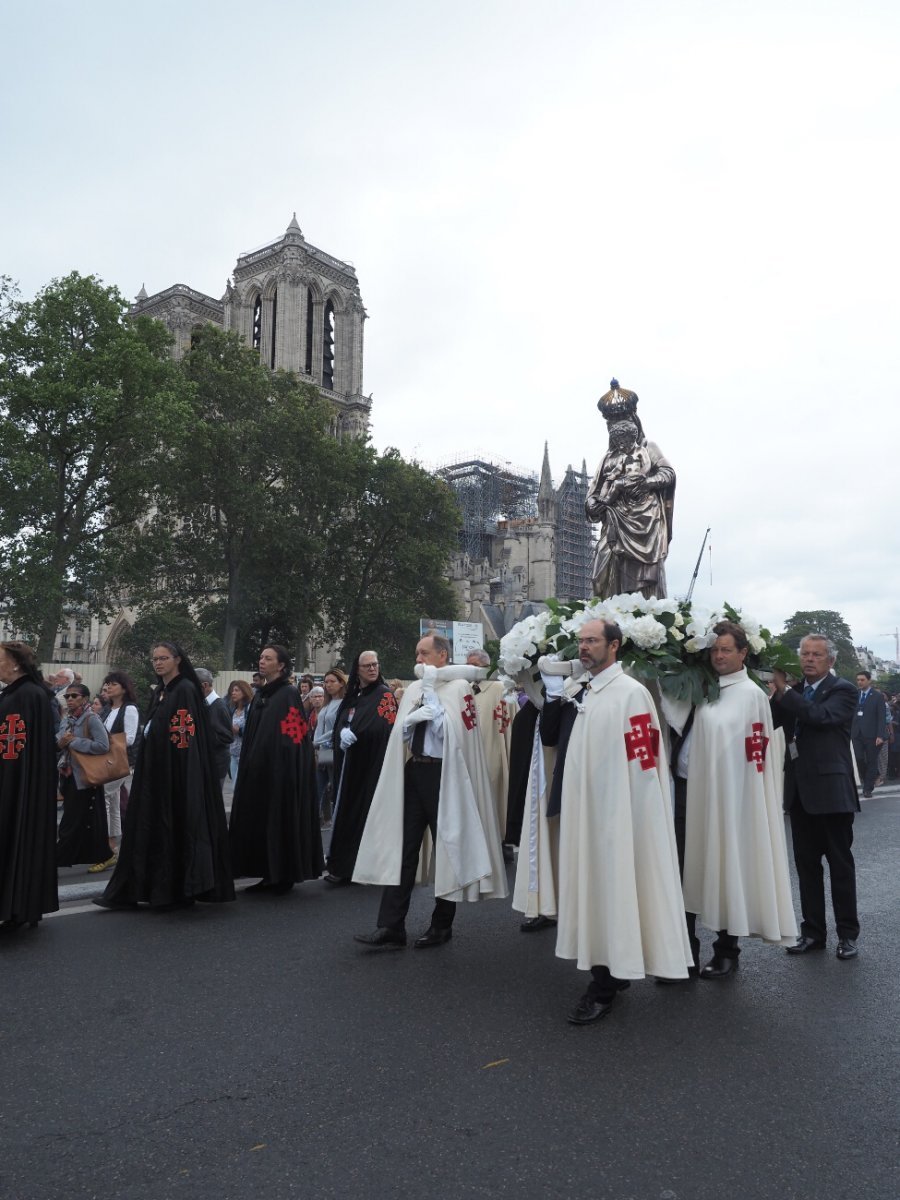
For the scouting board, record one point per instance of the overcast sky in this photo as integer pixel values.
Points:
(698, 198)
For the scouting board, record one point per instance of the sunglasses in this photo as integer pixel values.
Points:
(74, 696)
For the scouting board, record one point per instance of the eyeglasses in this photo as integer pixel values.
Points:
(74, 696)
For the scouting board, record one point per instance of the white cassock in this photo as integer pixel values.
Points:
(467, 862)
(537, 864)
(735, 862)
(620, 902)
(495, 716)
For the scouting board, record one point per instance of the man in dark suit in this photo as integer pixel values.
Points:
(820, 792)
(220, 724)
(868, 731)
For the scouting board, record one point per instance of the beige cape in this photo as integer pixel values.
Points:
(620, 902)
(468, 858)
(735, 864)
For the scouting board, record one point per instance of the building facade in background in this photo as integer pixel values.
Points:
(299, 307)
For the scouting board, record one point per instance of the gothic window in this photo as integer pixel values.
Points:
(257, 323)
(196, 331)
(307, 366)
(274, 320)
(328, 347)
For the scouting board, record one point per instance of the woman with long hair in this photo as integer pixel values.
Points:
(335, 685)
(274, 829)
(361, 730)
(175, 841)
(123, 717)
(240, 693)
(27, 791)
(83, 836)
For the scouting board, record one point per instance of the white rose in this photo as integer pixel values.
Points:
(647, 632)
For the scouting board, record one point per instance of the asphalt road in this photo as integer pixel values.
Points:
(254, 1050)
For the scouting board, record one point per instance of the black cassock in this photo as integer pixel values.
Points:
(175, 839)
(275, 814)
(370, 716)
(520, 751)
(27, 803)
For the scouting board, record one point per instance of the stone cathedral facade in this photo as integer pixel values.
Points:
(299, 307)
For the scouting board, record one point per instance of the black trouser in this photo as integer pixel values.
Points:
(680, 816)
(421, 792)
(829, 836)
(866, 761)
(603, 985)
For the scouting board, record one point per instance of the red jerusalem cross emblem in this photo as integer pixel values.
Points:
(181, 729)
(293, 726)
(13, 736)
(642, 742)
(501, 717)
(755, 746)
(469, 715)
(387, 707)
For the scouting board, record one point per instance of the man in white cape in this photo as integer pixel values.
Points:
(621, 913)
(736, 876)
(433, 780)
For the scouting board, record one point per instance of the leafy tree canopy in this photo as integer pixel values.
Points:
(88, 400)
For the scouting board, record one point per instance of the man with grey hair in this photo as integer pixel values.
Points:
(59, 682)
(820, 792)
(220, 724)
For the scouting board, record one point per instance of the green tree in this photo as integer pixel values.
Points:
(395, 529)
(87, 400)
(833, 625)
(241, 518)
(164, 622)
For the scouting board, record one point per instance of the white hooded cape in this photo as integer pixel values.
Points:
(620, 902)
(735, 863)
(468, 858)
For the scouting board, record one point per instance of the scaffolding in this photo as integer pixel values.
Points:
(574, 537)
(488, 492)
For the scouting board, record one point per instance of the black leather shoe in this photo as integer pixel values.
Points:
(382, 939)
(803, 945)
(264, 885)
(533, 924)
(433, 937)
(587, 1010)
(847, 948)
(283, 887)
(718, 968)
(337, 880)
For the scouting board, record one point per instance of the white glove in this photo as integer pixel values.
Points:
(553, 686)
(425, 712)
(429, 676)
(348, 738)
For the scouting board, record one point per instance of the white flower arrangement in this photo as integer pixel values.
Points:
(662, 639)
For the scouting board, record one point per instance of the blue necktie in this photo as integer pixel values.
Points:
(808, 692)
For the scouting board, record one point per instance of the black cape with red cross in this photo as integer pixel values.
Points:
(275, 814)
(175, 839)
(370, 716)
(28, 756)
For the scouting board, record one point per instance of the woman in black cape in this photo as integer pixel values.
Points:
(274, 829)
(361, 731)
(175, 840)
(27, 791)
